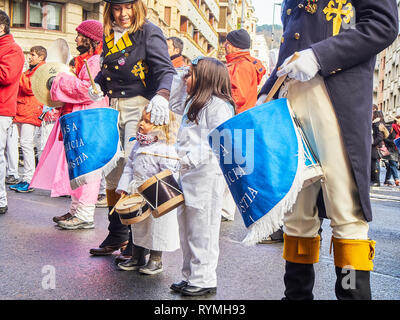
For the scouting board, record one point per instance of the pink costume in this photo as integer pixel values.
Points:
(52, 170)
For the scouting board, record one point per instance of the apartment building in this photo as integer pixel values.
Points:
(201, 24)
(387, 80)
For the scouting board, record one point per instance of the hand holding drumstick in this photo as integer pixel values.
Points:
(94, 90)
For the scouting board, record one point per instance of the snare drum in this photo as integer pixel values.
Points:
(162, 193)
(132, 209)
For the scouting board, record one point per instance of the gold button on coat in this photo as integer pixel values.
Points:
(288, 12)
(297, 36)
(301, 6)
(282, 40)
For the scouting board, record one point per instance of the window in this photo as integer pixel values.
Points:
(167, 15)
(184, 24)
(36, 14)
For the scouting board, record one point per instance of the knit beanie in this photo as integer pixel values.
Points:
(239, 39)
(92, 29)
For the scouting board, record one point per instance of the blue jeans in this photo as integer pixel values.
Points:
(391, 169)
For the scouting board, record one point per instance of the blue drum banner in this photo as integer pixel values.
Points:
(91, 143)
(261, 156)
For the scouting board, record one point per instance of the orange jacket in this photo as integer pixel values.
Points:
(28, 107)
(246, 74)
(178, 62)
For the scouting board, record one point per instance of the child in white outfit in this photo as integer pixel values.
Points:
(154, 234)
(203, 97)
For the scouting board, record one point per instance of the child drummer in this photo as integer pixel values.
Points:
(153, 153)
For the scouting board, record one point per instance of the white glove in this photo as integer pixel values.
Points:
(303, 68)
(159, 108)
(261, 99)
(95, 97)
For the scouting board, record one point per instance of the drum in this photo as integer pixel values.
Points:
(132, 209)
(266, 161)
(162, 193)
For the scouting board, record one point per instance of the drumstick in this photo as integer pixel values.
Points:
(113, 209)
(160, 155)
(90, 77)
(280, 80)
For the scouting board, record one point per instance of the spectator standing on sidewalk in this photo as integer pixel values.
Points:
(377, 139)
(245, 73)
(392, 160)
(27, 118)
(12, 155)
(175, 48)
(11, 64)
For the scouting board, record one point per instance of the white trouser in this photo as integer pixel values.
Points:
(5, 123)
(199, 236)
(44, 133)
(82, 210)
(130, 113)
(311, 104)
(102, 189)
(12, 154)
(26, 136)
(229, 206)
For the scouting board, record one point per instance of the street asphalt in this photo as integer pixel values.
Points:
(40, 261)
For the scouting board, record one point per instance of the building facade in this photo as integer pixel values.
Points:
(387, 79)
(201, 24)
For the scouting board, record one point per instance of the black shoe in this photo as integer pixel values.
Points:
(3, 210)
(62, 218)
(178, 286)
(276, 237)
(197, 291)
(375, 184)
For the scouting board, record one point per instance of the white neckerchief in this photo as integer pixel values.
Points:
(118, 32)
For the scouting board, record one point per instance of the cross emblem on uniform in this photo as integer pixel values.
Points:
(139, 70)
(344, 11)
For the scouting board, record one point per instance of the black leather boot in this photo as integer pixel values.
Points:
(118, 232)
(299, 281)
(352, 284)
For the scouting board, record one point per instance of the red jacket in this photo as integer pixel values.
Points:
(28, 107)
(11, 64)
(246, 74)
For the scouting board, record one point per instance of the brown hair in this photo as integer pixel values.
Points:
(211, 78)
(40, 51)
(140, 10)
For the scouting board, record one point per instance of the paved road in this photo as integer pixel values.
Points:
(32, 250)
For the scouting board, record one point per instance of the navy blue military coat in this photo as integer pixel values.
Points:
(345, 36)
(137, 65)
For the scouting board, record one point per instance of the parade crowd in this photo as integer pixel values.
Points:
(165, 102)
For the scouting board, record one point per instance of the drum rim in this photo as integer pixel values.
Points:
(131, 209)
(162, 210)
(149, 182)
(138, 219)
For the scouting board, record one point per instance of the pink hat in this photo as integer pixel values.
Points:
(92, 29)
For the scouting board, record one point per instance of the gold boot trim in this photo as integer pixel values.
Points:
(353, 254)
(301, 250)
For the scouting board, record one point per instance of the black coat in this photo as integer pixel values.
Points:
(138, 65)
(377, 139)
(347, 57)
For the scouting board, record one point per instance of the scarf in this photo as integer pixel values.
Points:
(87, 55)
(145, 139)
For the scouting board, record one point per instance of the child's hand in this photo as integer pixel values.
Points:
(123, 194)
